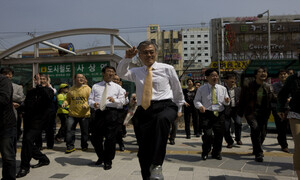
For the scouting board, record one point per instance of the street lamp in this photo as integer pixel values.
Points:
(269, 31)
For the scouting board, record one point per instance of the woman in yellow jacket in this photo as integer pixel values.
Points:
(62, 113)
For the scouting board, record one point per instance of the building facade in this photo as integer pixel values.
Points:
(196, 48)
(246, 38)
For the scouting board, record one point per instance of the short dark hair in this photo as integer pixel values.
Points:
(261, 67)
(209, 71)
(6, 70)
(146, 43)
(190, 79)
(230, 75)
(108, 67)
(75, 76)
(282, 70)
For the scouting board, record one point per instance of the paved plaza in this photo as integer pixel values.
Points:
(183, 162)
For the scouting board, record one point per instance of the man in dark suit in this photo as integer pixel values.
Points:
(234, 93)
(8, 132)
(37, 107)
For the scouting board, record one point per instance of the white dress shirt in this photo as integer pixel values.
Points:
(204, 97)
(165, 81)
(126, 100)
(114, 90)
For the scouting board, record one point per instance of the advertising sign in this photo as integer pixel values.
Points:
(62, 70)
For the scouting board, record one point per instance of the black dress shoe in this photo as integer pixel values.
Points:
(22, 173)
(107, 166)
(40, 164)
(218, 157)
(122, 147)
(188, 136)
(204, 156)
(172, 142)
(99, 162)
(259, 158)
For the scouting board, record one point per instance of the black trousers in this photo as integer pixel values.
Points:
(214, 129)
(258, 123)
(8, 140)
(62, 130)
(152, 127)
(105, 125)
(122, 128)
(188, 111)
(29, 148)
(282, 128)
(231, 114)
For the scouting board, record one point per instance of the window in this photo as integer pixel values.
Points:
(185, 49)
(185, 42)
(199, 54)
(166, 40)
(192, 48)
(192, 54)
(185, 55)
(199, 48)
(206, 48)
(205, 35)
(198, 36)
(199, 42)
(192, 36)
(205, 42)
(206, 54)
(175, 40)
(206, 60)
(192, 42)
(185, 36)
(199, 61)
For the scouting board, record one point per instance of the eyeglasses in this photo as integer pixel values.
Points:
(147, 52)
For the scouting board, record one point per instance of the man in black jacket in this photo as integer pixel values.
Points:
(37, 106)
(231, 111)
(255, 104)
(8, 132)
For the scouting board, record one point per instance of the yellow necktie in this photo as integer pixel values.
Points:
(147, 92)
(103, 98)
(214, 99)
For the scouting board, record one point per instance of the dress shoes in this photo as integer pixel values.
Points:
(218, 157)
(229, 146)
(188, 136)
(156, 172)
(204, 156)
(99, 162)
(285, 150)
(40, 164)
(259, 158)
(122, 147)
(107, 166)
(239, 143)
(172, 142)
(22, 173)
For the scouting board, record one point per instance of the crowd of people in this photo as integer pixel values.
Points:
(215, 108)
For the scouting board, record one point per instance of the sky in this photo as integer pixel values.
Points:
(18, 17)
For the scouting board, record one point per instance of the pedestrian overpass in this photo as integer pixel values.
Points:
(62, 68)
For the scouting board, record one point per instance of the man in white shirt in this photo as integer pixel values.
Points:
(106, 96)
(157, 109)
(210, 100)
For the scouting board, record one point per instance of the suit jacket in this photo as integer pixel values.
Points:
(7, 117)
(248, 98)
(237, 94)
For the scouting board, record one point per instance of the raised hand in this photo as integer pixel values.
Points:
(130, 53)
